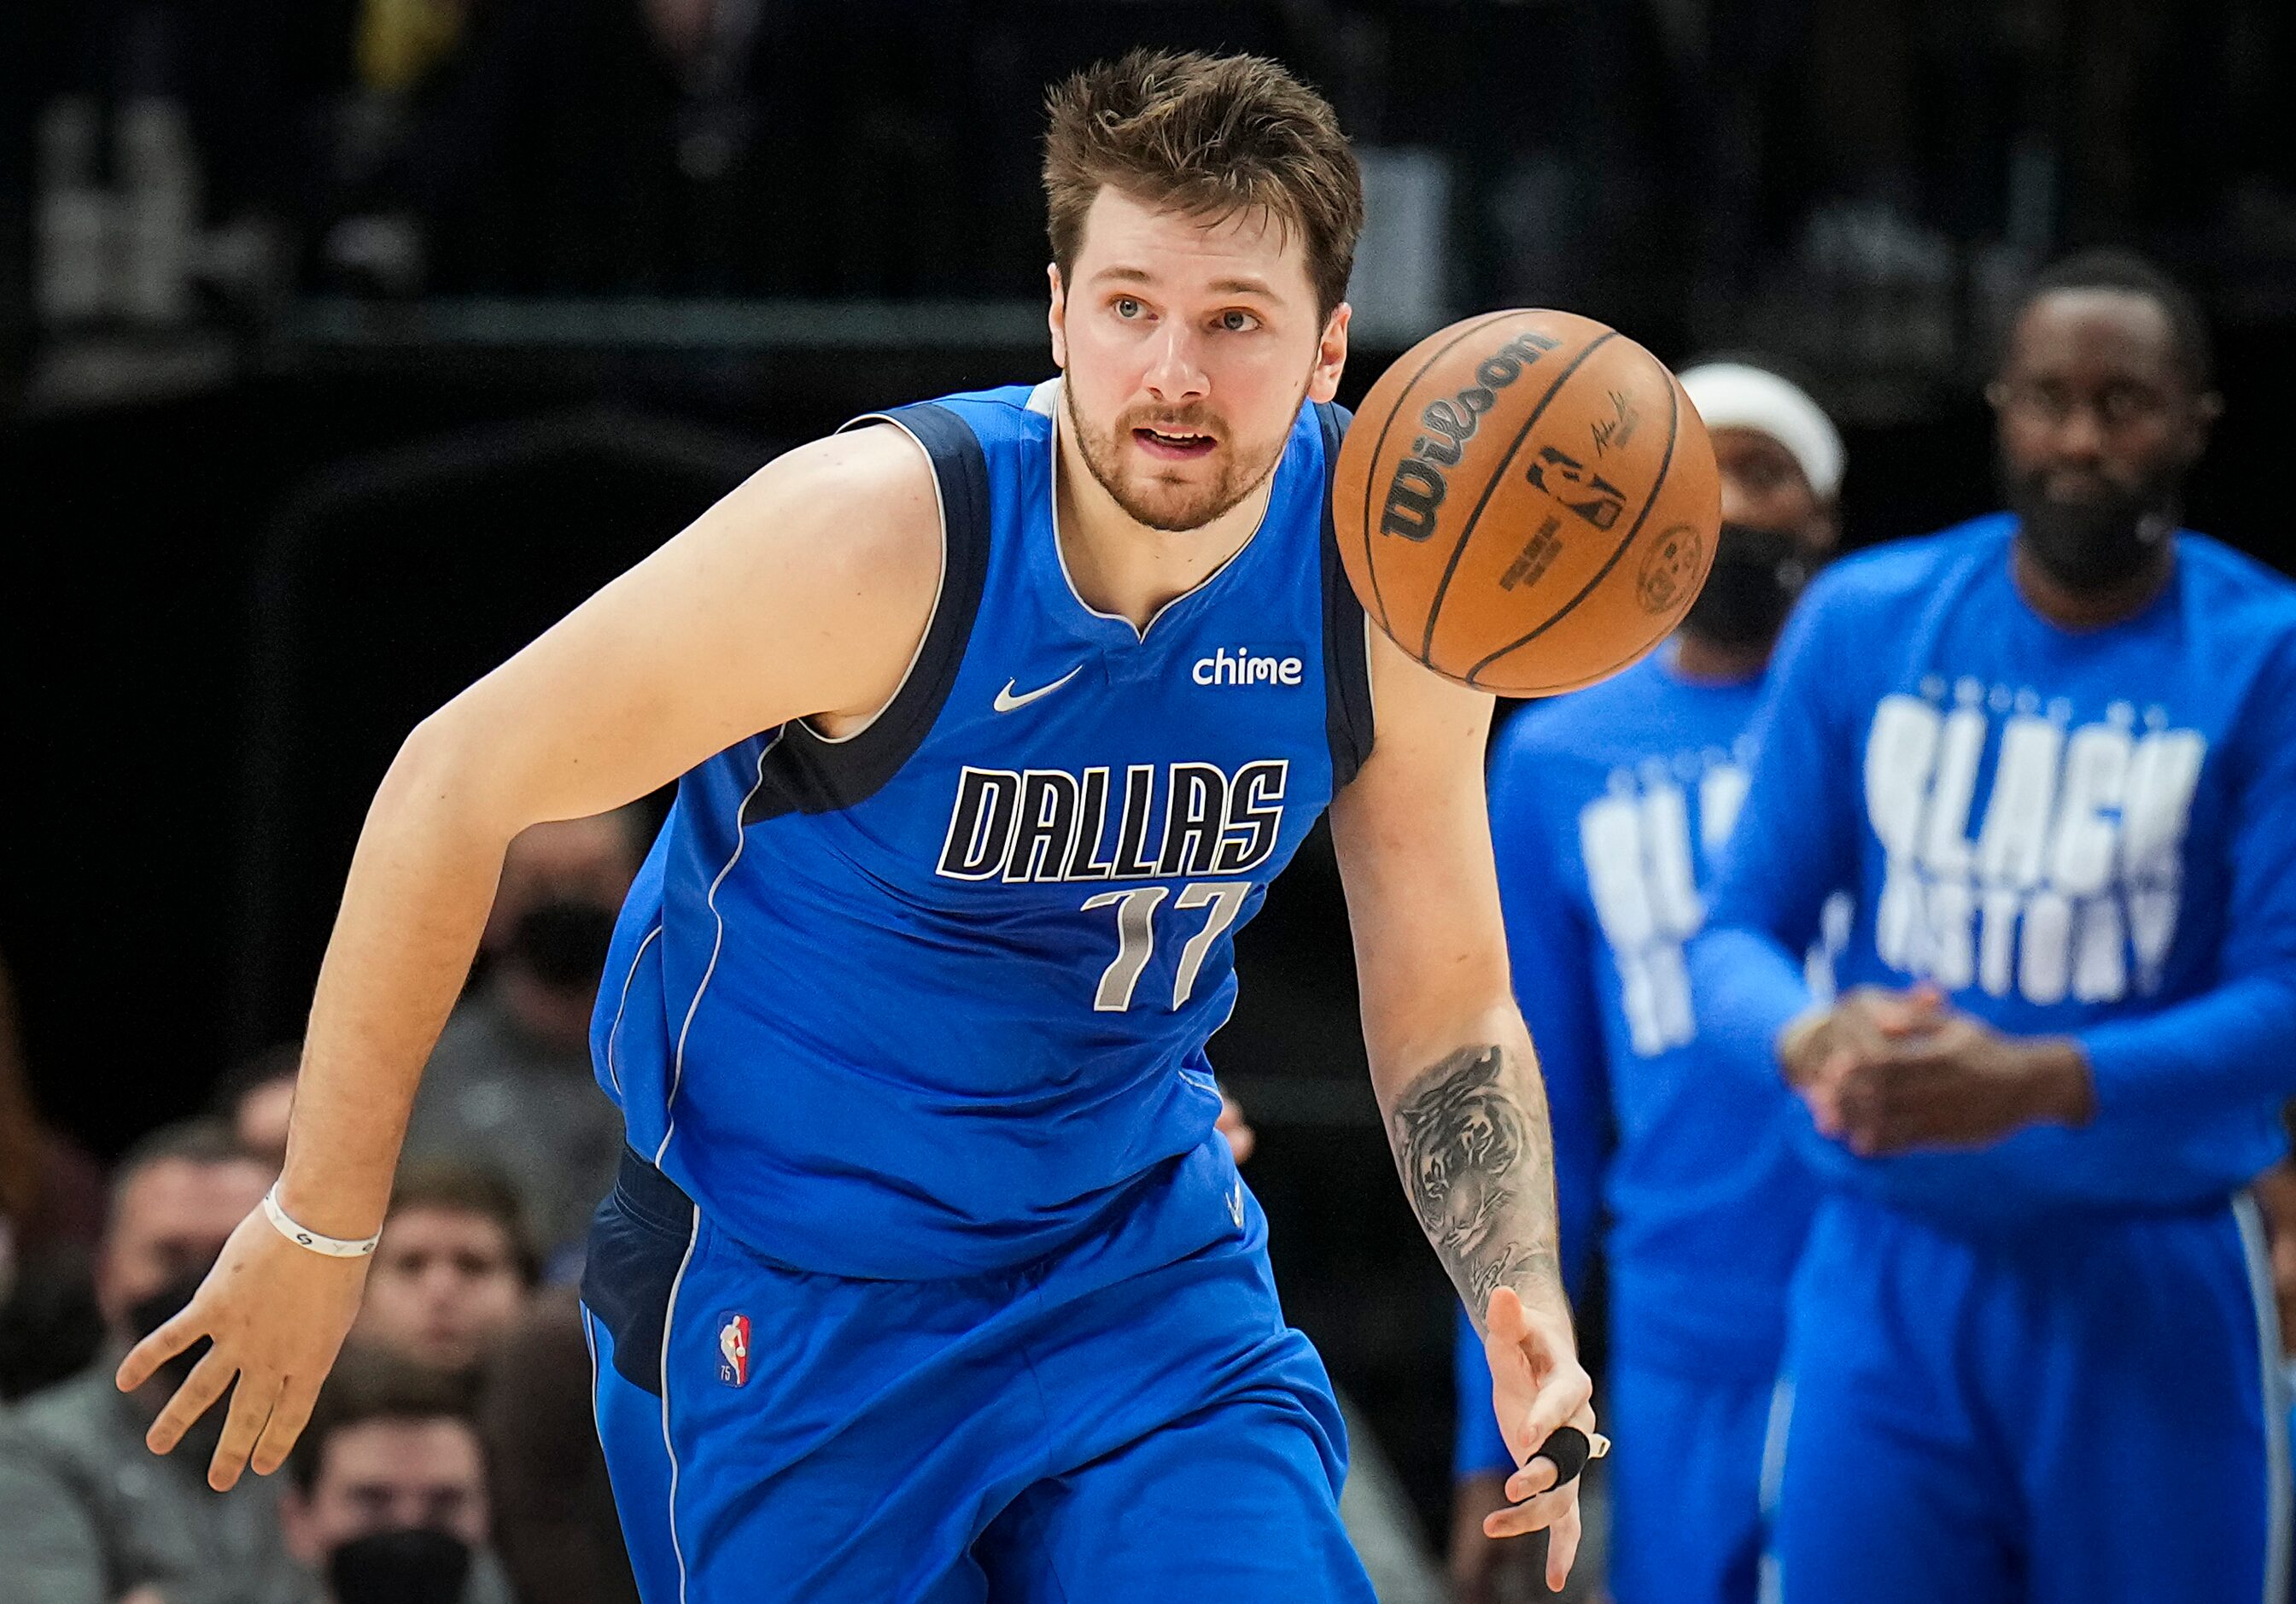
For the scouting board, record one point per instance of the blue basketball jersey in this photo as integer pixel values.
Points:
(922, 1000)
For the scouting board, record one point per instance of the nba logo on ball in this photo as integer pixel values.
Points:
(733, 1350)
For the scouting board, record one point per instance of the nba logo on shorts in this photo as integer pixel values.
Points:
(733, 1350)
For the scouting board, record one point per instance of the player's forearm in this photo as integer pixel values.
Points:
(421, 885)
(1469, 1129)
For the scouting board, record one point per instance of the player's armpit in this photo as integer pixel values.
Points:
(804, 592)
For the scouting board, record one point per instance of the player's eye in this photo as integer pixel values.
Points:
(1233, 321)
(1126, 306)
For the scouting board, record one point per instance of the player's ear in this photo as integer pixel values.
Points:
(1056, 316)
(1331, 355)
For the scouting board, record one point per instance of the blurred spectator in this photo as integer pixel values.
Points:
(92, 1513)
(388, 1497)
(454, 1269)
(708, 147)
(51, 1214)
(553, 1511)
(511, 1077)
(254, 1096)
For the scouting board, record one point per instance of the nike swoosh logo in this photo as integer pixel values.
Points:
(1006, 701)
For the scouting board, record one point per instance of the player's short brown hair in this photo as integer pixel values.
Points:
(1206, 135)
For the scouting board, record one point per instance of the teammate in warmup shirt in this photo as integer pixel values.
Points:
(2053, 755)
(1607, 809)
(928, 1276)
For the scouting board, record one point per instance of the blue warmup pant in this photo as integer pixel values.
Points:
(1685, 1486)
(1129, 1420)
(2091, 1416)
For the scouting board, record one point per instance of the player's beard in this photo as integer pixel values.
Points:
(1160, 502)
(2095, 542)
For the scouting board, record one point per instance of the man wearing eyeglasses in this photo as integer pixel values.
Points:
(2051, 754)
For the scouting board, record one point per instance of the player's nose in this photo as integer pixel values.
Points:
(1175, 373)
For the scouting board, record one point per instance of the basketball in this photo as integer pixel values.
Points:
(1527, 502)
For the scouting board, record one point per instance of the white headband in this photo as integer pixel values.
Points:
(1736, 395)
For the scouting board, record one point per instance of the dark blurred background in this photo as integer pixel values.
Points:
(346, 343)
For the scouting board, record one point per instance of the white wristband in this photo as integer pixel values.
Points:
(334, 1248)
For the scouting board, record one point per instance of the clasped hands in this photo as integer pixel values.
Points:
(1884, 1072)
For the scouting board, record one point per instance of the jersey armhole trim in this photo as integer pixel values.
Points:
(1348, 723)
(809, 772)
(940, 586)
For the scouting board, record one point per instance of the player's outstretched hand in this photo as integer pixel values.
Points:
(276, 1315)
(1537, 1385)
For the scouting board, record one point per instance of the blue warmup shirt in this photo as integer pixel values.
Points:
(2089, 833)
(924, 1000)
(1607, 806)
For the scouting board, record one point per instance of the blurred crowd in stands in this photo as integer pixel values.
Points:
(452, 1454)
(180, 161)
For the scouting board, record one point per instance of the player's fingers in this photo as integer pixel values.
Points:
(250, 1409)
(1910, 1011)
(206, 1383)
(168, 1338)
(1558, 1403)
(290, 1413)
(1536, 1513)
(1503, 1317)
(1824, 1105)
(1561, 1548)
(1534, 1478)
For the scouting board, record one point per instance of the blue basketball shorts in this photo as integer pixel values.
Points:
(1127, 1419)
(2090, 1416)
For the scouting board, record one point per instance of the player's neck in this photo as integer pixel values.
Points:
(2070, 608)
(1119, 565)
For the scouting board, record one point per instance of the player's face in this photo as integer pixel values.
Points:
(1186, 348)
(1763, 487)
(2098, 425)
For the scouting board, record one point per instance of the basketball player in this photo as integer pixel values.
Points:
(1607, 807)
(928, 1276)
(2053, 753)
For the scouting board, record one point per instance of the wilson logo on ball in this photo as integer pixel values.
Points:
(1415, 493)
(1526, 502)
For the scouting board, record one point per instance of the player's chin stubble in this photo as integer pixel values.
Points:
(1160, 505)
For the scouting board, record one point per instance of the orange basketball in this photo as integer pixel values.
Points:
(1527, 502)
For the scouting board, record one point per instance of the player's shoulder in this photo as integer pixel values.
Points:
(1882, 578)
(1007, 413)
(2217, 577)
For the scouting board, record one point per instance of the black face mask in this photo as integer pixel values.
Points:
(562, 943)
(146, 1315)
(2092, 546)
(1757, 576)
(415, 1566)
